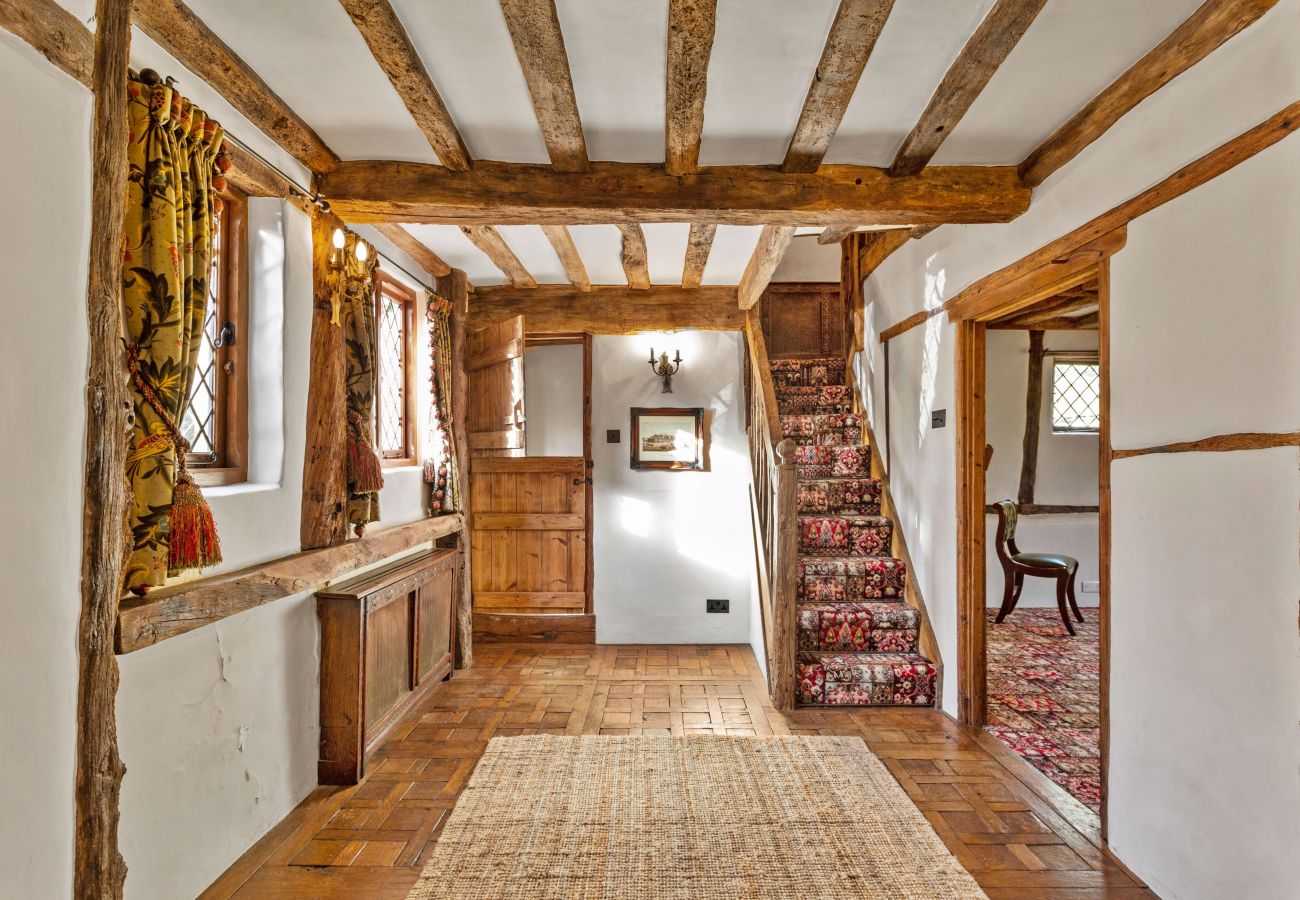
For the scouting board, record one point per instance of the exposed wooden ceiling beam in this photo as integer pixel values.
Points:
(848, 46)
(1087, 322)
(1213, 23)
(412, 247)
(392, 49)
(1054, 309)
(185, 36)
(535, 30)
(877, 247)
(636, 258)
(698, 244)
(609, 308)
(489, 240)
(507, 193)
(991, 43)
(53, 32)
(691, 24)
(570, 258)
(836, 234)
(772, 243)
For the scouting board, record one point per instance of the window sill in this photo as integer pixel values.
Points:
(210, 478)
(402, 465)
(243, 487)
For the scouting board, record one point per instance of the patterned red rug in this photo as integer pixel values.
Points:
(1044, 693)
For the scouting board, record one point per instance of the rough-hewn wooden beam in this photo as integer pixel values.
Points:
(836, 234)
(175, 610)
(991, 43)
(1033, 420)
(636, 258)
(848, 46)
(53, 32)
(494, 246)
(514, 193)
(691, 24)
(411, 246)
(570, 258)
(877, 247)
(185, 36)
(1214, 23)
(609, 309)
(396, 55)
(535, 30)
(698, 244)
(98, 867)
(324, 469)
(1087, 322)
(772, 243)
(1220, 443)
(455, 287)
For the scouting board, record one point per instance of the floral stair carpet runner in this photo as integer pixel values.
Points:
(857, 638)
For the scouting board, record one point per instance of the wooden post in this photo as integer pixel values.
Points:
(971, 665)
(324, 468)
(455, 287)
(1105, 454)
(98, 868)
(1033, 418)
(785, 577)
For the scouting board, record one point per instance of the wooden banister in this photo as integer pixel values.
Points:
(776, 520)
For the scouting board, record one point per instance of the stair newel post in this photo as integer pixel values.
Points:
(785, 575)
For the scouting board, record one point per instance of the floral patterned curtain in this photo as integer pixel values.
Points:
(174, 155)
(440, 470)
(365, 477)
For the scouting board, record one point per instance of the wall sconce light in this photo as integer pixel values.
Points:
(338, 262)
(665, 369)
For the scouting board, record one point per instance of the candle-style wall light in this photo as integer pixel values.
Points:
(665, 369)
(346, 288)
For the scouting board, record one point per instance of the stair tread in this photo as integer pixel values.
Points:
(853, 518)
(878, 657)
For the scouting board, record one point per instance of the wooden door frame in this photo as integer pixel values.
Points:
(972, 663)
(583, 339)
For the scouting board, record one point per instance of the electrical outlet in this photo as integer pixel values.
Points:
(938, 418)
(717, 606)
(1092, 587)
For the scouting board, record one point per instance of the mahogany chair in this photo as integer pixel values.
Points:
(1017, 565)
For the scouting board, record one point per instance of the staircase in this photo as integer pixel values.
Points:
(857, 638)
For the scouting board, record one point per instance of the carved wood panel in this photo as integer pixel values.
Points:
(804, 320)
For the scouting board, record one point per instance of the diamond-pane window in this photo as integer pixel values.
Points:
(1076, 397)
(393, 409)
(211, 420)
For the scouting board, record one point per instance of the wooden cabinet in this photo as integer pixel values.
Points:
(386, 638)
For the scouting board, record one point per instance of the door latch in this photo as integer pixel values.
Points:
(577, 481)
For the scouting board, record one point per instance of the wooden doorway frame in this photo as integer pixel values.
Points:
(971, 353)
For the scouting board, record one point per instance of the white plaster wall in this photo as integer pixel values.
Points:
(44, 238)
(1066, 472)
(1205, 673)
(1203, 326)
(553, 394)
(664, 542)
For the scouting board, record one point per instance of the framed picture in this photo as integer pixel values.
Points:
(668, 438)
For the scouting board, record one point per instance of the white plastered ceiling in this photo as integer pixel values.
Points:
(764, 57)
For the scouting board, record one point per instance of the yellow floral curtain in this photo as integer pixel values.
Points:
(174, 154)
(357, 287)
(440, 471)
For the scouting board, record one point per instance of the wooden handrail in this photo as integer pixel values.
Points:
(775, 501)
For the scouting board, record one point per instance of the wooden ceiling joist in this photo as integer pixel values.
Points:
(392, 48)
(848, 46)
(1213, 23)
(987, 48)
(698, 244)
(570, 258)
(835, 235)
(877, 246)
(185, 36)
(535, 30)
(773, 241)
(412, 247)
(609, 308)
(636, 257)
(489, 240)
(53, 32)
(609, 192)
(691, 24)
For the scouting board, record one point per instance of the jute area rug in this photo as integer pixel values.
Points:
(695, 818)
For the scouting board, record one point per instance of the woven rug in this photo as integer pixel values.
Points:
(1044, 695)
(694, 818)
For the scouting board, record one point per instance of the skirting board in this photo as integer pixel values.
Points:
(492, 628)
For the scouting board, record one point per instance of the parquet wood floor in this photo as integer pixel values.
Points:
(371, 840)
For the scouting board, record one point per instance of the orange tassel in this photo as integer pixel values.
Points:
(364, 471)
(193, 541)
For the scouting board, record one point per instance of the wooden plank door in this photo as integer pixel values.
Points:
(529, 535)
(494, 419)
